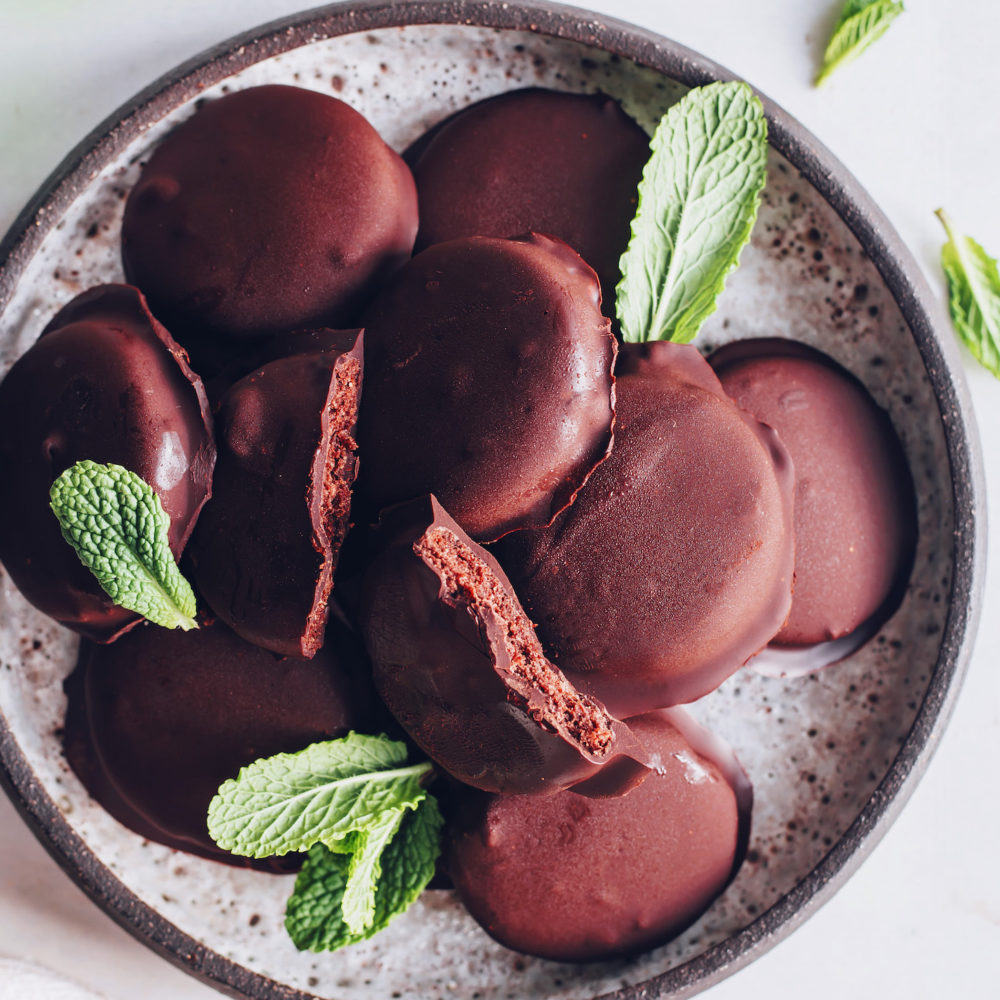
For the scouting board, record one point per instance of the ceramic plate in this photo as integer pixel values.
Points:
(832, 755)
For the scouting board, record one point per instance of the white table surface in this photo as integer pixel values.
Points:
(916, 120)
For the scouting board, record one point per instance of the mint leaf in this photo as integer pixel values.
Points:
(861, 23)
(409, 861)
(698, 200)
(118, 527)
(973, 295)
(373, 834)
(366, 869)
(320, 795)
(851, 8)
(314, 917)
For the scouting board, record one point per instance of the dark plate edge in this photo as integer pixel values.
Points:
(893, 261)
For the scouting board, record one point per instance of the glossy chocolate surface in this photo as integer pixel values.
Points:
(271, 208)
(674, 564)
(583, 880)
(106, 382)
(488, 382)
(160, 719)
(855, 510)
(308, 341)
(249, 357)
(268, 544)
(450, 677)
(536, 160)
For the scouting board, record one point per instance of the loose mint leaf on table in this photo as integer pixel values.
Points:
(861, 23)
(118, 527)
(320, 795)
(315, 915)
(698, 200)
(973, 295)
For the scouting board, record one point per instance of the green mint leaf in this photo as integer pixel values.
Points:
(366, 869)
(347, 844)
(698, 200)
(973, 295)
(861, 23)
(851, 8)
(118, 527)
(409, 861)
(314, 916)
(320, 795)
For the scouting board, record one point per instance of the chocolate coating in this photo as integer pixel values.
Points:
(578, 880)
(855, 509)
(167, 716)
(106, 382)
(459, 666)
(316, 339)
(674, 565)
(488, 382)
(271, 208)
(284, 345)
(564, 164)
(268, 542)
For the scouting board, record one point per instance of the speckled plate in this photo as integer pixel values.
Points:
(832, 755)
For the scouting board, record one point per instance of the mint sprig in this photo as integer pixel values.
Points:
(292, 801)
(372, 832)
(119, 529)
(698, 201)
(973, 295)
(861, 23)
(316, 914)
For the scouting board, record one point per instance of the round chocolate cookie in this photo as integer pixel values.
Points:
(584, 880)
(487, 383)
(271, 208)
(674, 564)
(269, 540)
(855, 508)
(564, 164)
(105, 382)
(458, 664)
(167, 716)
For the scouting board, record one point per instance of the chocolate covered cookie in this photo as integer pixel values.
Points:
(160, 719)
(855, 510)
(106, 382)
(269, 209)
(564, 164)
(674, 564)
(459, 666)
(487, 383)
(583, 880)
(265, 553)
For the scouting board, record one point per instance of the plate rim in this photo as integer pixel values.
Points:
(897, 268)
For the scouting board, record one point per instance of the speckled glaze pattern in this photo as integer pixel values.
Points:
(830, 754)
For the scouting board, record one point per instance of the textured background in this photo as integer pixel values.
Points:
(914, 122)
